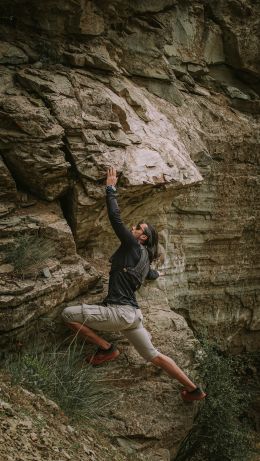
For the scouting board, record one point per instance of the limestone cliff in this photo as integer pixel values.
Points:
(167, 92)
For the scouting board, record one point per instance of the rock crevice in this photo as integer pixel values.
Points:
(168, 93)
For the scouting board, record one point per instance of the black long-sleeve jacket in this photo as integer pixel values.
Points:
(121, 289)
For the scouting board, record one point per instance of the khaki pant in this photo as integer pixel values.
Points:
(124, 318)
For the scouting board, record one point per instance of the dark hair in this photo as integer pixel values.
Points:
(152, 242)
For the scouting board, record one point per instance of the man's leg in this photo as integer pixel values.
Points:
(76, 318)
(167, 364)
(89, 335)
(140, 339)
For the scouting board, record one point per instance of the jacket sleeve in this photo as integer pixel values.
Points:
(124, 235)
(152, 274)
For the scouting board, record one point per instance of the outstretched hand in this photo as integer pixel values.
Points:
(111, 176)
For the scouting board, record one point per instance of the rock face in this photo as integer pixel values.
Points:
(168, 93)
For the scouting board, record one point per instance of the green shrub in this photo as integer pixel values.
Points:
(219, 432)
(63, 376)
(29, 251)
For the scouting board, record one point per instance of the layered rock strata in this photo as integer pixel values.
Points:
(168, 93)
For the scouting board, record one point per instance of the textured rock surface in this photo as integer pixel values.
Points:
(168, 92)
(43, 432)
(26, 297)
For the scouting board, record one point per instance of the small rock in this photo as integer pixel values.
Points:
(251, 107)
(6, 268)
(87, 450)
(125, 444)
(202, 158)
(75, 59)
(46, 272)
(10, 54)
(70, 429)
(234, 92)
(37, 65)
(187, 79)
(197, 70)
(162, 454)
(67, 456)
(135, 139)
(90, 438)
(33, 436)
(7, 408)
(50, 403)
(200, 91)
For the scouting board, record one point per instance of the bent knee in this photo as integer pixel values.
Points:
(66, 315)
(72, 314)
(157, 359)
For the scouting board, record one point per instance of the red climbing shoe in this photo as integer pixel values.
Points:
(102, 355)
(191, 396)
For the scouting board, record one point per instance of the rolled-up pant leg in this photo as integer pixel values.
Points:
(125, 319)
(140, 339)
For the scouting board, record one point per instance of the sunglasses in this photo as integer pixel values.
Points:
(145, 231)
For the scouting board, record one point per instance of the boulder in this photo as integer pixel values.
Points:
(10, 54)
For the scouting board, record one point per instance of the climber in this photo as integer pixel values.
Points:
(130, 265)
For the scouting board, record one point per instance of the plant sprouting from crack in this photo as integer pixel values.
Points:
(29, 251)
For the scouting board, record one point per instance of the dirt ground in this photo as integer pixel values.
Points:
(33, 428)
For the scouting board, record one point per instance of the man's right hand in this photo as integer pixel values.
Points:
(111, 176)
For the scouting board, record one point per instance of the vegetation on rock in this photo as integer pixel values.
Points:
(29, 251)
(221, 430)
(63, 376)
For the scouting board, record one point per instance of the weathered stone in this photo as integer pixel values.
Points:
(165, 90)
(179, 68)
(153, 6)
(149, 68)
(6, 268)
(34, 427)
(251, 107)
(46, 272)
(99, 58)
(188, 79)
(162, 454)
(200, 91)
(185, 28)
(75, 59)
(196, 70)
(45, 83)
(25, 199)
(31, 140)
(236, 93)
(91, 23)
(133, 96)
(237, 21)
(187, 157)
(8, 192)
(66, 282)
(10, 54)
(31, 165)
(213, 50)
(67, 111)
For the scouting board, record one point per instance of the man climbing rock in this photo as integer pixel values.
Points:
(130, 266)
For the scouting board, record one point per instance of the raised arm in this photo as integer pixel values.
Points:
(124, 235)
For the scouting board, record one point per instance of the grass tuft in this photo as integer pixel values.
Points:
(29, 251)
(61, 375)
